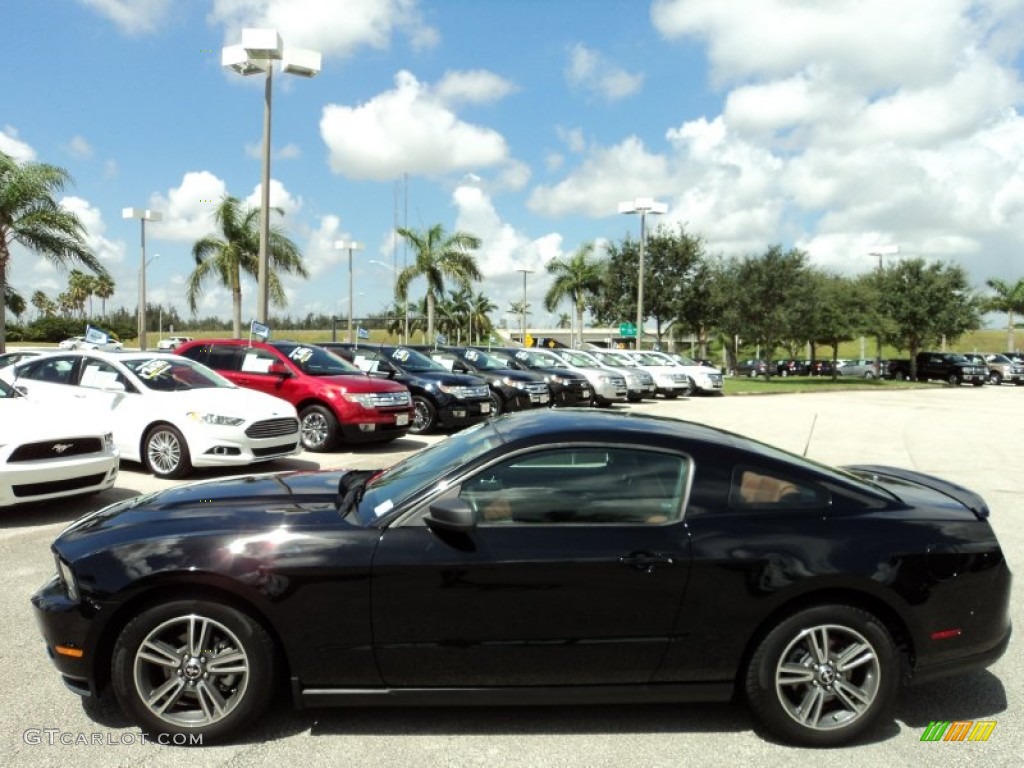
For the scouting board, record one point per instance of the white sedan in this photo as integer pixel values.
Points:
(168, 412)
(48, 454)
(80, 342)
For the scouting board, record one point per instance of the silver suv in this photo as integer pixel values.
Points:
(1002, 368)
(639, 383)
(609, 386)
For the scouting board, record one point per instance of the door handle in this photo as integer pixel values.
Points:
(645, 561)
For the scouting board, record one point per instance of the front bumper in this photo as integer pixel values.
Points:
(373, 425)
(463, 413)
(64, 624)
(22, 482)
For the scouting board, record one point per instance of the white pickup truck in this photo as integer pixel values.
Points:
(172, 342)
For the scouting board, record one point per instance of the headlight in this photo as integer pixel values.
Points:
(604, 378)
(108, 440)
(364, 399)
(216, 419)
(556, 379)
(508, 381)
(67, 578)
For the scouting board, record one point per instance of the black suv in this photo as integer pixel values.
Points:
(568, 387)
(511, 389)
(439, 397)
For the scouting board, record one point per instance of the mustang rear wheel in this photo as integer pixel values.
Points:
(823, 676)
(193, 667)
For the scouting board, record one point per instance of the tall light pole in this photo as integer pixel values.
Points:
(522, 308)
(643, 206)
(880, 251)
(143, 215)
(259, 50)
(350, 245)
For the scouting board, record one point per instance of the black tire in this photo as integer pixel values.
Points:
(424, 416)
(165, 452)
(690, 388)
(318, 427)
(900, 376)
(634, 398)
(995, 378)
(497, 404)
(868, 375)
(219, 655)
(978, 383)
(803, 691)
(671, 395)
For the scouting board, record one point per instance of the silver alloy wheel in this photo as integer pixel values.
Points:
(828, 677)
(163, 451)
(314, 430)
(191, 671)
(421, 416)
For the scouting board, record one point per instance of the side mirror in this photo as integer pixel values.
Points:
(279, 369)
(114, 386)
(451, 515)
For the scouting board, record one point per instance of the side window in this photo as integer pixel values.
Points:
(760, 488)
(98, 374)
(55, 370)
(222, 357)
(257, 360)
(580, 486)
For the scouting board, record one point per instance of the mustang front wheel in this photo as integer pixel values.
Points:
(823, 676)
(193, 667)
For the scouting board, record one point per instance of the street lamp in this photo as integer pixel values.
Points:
(522, 308)
(880, 251)
(643, 206)
(143, 215)
(257, 53)
(405, 301)
(351, 245)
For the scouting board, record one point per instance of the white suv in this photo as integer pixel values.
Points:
(700, 378)
(173, 342)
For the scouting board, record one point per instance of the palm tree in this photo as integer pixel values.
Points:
(13, 301)
(44, 304)
(576, 278)
(80, 289)
(480, 308)
(103, 289)
(438, 257)
(1008, 299)
(237, 251)
(31, 217)
(564, 320)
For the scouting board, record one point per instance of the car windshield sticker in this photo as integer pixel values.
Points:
(383, 508)
(522, 355)
(95, 377)
(301, 354)
(365, 364)
(152, 369)
(447, 362)
(400, 354)
(472, 354)
(255, 363)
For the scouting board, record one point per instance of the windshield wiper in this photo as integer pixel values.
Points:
(351, 489)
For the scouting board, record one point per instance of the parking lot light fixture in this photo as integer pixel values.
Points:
(143, 215)
(880, 251)
(643, 206)
(350, 245)
(259, 49)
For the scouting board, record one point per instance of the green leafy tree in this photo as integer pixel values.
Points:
(44, 305)
(79, 290)
(31, 217)
(1009, 298)
(838, 309)
(761, 296)
(480, 325)
(236, 252)
(438, 257)
(926, 303)
(578, 278)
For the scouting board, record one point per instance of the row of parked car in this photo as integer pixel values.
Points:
(231, 402)
(863, 369)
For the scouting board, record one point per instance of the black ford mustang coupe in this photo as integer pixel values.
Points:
(543, 557)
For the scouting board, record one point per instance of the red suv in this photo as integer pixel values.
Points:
(336, 401)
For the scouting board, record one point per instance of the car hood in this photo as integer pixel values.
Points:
(30, 421)
(231, 401)
(260, 502)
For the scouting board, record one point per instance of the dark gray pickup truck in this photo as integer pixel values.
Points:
(950, 367)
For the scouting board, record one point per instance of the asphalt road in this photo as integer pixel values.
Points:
(970, 436)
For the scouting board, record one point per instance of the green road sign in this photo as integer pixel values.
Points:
(627, 329)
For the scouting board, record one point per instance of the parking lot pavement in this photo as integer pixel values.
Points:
(970, 436)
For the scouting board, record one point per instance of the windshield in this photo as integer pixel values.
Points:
(482, 361)
(6, 391)
(649, 358)
(581, 359)
(684, 360)
(539, 359)
(410, 360)
(316, 361)
(611, 359)
(424, 469)
(174, 374)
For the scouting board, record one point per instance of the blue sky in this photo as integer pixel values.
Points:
(834, 127)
